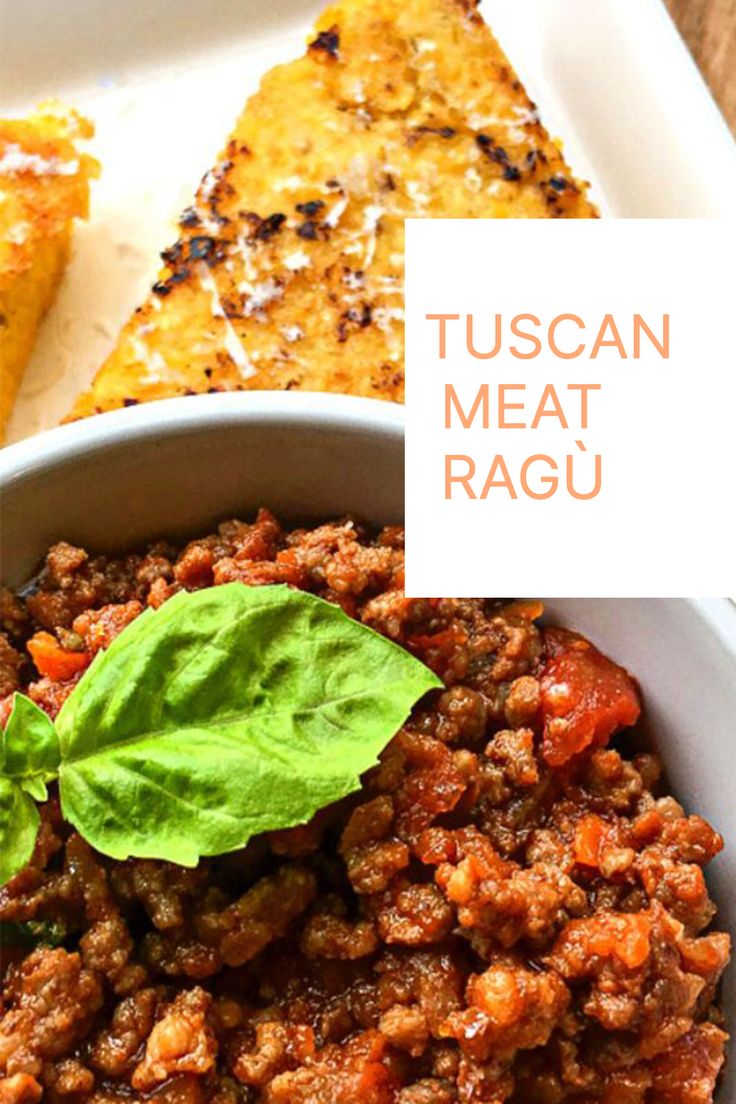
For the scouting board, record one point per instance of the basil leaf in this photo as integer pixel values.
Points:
(30, 748)
(19, 822)
(228, 712)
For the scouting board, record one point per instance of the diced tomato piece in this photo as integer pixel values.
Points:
(53, 661)
(625, 936)
(586, 697)
(590, 833)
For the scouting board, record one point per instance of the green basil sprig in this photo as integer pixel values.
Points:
(227, 712)
(29, 758)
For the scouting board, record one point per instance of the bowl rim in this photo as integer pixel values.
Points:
(315, 410)
(172, 417)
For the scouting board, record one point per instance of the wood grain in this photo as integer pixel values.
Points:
(709, 28)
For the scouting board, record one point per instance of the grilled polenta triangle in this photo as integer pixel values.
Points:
(289, 269)
(44, 186)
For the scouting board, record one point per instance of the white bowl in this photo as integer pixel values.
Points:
(176, 466)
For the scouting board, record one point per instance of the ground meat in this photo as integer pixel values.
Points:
(351, 1074)
(429, 1090)
(181, 1041)
(68, 1079)
(509, 1008)
(328, 936)
(510, 910)
(51, 1001)
(116, 1046)
(98, 628)
(11, 663)
(20, 1088)
(496, 899)
(372, 855)
(430, 982)
(414, 915)
(686, 1074)
(405, 1027)
(262, 914)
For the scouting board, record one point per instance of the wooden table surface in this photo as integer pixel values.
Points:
(709, 28)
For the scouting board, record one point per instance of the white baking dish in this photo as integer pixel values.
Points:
(164, 81)
(174, 467)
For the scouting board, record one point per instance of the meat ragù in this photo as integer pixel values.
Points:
(511, 909)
